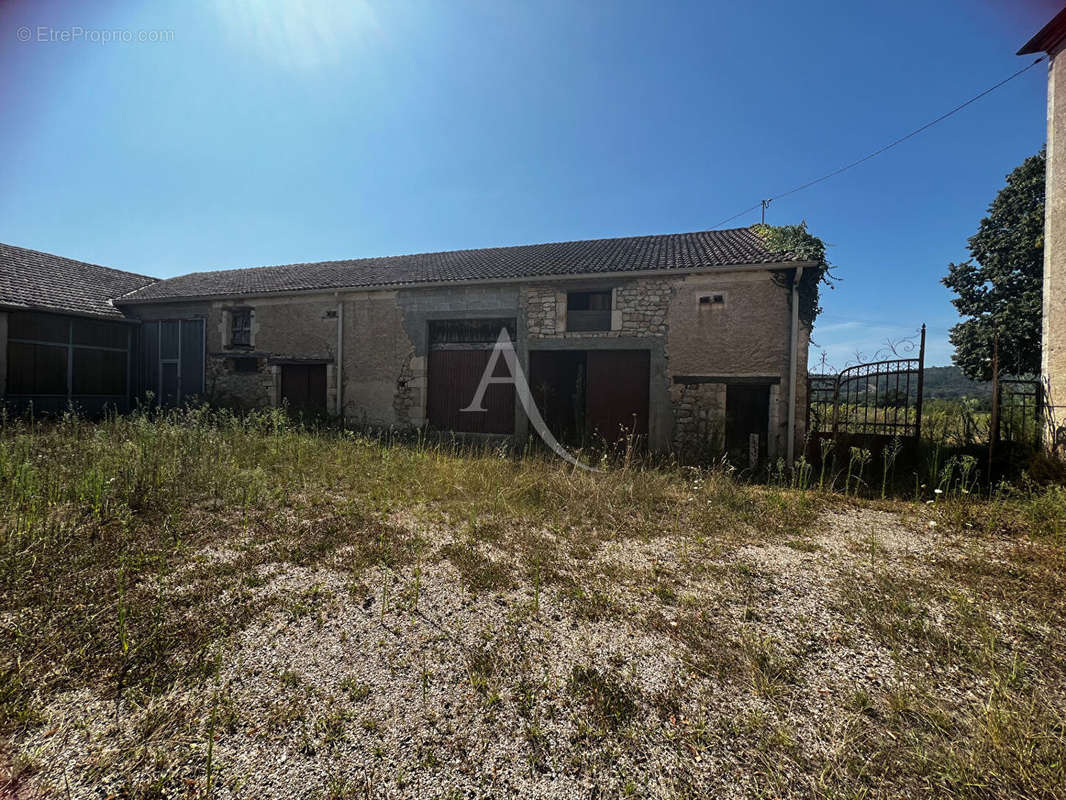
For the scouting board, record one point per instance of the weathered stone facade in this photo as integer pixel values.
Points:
(406, 400)
(284, 330)
(638, 308)
(1054, 321)
(699, 418)
(701, 331)
(244, 390)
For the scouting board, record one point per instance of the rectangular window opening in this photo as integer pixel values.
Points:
(588, 311)
(240, 332)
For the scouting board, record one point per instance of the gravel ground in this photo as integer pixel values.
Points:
(660, 668)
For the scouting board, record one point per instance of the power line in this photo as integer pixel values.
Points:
(764, 203)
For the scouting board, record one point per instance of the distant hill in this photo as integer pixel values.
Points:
(948, 383)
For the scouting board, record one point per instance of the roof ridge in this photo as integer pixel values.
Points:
(217, 270)
(690, 251)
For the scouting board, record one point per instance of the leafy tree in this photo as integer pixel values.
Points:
(999, 288)
(805, 246)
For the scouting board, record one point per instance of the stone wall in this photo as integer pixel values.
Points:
(639, 308)
(408, 392)
(744, 333)
(379, 374)
(699, 419)
(243, 390)
(1053, 358)
(283, 328)
(542, 306)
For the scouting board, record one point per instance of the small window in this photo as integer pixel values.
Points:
(711, 300)
(588, 311)
(240, 329)
(245, 364)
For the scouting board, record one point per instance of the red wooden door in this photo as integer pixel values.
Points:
(617, 391)
(454, 376)
(303, 386)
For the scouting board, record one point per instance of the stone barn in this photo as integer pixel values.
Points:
(689, 341)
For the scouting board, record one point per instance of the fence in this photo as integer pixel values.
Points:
(1020, 412)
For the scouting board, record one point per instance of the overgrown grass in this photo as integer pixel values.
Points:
(133, 549)
(98, 517)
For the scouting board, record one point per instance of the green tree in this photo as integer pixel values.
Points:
(999, 288)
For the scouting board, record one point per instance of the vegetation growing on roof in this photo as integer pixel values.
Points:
(806, 247)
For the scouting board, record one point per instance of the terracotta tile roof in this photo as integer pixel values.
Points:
(31, 279)
(702, 249)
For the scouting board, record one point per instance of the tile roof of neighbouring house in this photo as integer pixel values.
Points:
(32, 279)
(702, 249)
(1047, 38)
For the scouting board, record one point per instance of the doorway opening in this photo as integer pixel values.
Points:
(586, 394)
(303, 388)
(747, 423)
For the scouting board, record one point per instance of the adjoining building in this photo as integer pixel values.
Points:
(62, 339)
(1051, 39)
(689, 339)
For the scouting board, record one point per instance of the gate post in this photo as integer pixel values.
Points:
(921, 386)
(836, 405)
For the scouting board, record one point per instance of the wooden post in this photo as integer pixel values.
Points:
(993, 434)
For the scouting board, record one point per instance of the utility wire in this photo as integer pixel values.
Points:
(888, 146)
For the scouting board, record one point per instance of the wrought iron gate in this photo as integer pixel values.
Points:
(875, 401)
(1021, 411)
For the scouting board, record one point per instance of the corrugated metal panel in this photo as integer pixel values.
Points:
(170, 338)
(150, 358)
(192, 358)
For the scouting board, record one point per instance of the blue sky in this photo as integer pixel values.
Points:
(263, 132)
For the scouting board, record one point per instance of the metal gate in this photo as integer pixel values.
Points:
(1020, 416)
(872, 403)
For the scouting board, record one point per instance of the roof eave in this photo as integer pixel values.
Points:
(118, 316)
(1049, 38)
(126, 300)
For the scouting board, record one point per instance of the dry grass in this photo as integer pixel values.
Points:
(201, 606)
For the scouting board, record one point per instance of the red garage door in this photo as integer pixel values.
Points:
(454, 376)
(617, 393)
